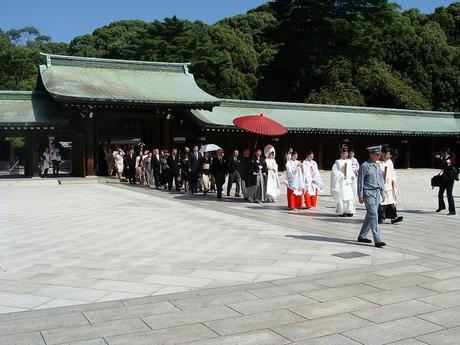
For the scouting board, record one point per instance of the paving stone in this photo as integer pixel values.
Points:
(174, 335)
(316, 310)
(92, 331)
(448, 317)
(341, 292)
(31, 338)
(349, 280)
(213, 300)
(69, 292)
(395, 311)
(392, 331)
(41, 323)
(15, 300)
(443, 274)
(282, 290)
(273, 303)
(121, 286)
(320, 327)
(398, 295)
(445, 300)
(411, 341)
(159, 279)
(446, 337)
(265, 337)
(129, 312)
(189, 317)
(444, 285)
(335, 339)
(88, 342)
(241, 324)
(400, 282)
(403, 270)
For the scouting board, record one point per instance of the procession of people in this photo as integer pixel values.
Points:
(255, 177)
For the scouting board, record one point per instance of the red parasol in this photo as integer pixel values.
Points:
(260, 124)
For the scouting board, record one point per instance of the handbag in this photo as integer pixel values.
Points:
(436, 181)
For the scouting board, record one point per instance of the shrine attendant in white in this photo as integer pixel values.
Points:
(313, 181)
(295, 181)
(342, 177)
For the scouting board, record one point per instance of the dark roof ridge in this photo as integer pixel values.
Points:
(81, 61)
(335, 108)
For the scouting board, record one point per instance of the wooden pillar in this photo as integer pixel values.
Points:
(320, 153)
(89, 146)
(408, 154)
(32, 157)
(78, 155)
(166, 133)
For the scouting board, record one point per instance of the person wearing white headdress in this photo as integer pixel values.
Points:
(342, 177)
(273, 182)
(313, 181)
(295, 182)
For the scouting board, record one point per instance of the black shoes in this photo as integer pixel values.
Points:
(380, 244)
(451, 214)
(364, 240)
(440, 209)
(397, 220)
(349, 214)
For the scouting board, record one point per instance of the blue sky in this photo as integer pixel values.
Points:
(65, 19)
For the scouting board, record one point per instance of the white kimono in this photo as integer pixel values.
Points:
(389, 176)
(273, 182)
(295, 179)
(342, 177)
(313, 181)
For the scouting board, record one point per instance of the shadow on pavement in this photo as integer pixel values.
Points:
(326, 239)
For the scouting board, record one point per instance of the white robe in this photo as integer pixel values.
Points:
(342, 177)
(313, 181)
(273, 182)
(390, 182)
(295, 179)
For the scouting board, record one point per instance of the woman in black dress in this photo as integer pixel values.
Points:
(449, 174)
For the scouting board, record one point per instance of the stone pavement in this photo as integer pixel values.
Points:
(259, 273)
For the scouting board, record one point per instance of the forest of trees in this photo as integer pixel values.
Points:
(347, 52)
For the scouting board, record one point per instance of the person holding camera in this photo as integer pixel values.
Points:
(449, 175)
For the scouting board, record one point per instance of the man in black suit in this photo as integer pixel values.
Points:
(174, 163)
(156, 167)
(219, 170)
(194, 168)
(234, 174)
(130, 166)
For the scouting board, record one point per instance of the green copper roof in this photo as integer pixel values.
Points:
(92, 80)
(335, 119)
(19, 108)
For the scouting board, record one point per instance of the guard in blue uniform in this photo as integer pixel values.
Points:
(370, 189)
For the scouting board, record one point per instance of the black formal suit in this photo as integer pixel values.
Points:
(194, 170)
(256, 166)
(130, 167)
(174, 164)
(156, 169)
(219, 169)
(234, 175)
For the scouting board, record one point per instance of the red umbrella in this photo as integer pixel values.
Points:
(260, 124)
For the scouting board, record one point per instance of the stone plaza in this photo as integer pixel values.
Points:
(96, 262)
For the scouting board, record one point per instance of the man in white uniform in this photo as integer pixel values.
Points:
(342, 177)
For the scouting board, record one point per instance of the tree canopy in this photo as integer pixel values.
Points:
(349, 52)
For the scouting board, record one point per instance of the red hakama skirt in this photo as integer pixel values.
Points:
(311, 200)
(294, 201)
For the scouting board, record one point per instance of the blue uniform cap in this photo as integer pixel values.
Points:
(375, 149)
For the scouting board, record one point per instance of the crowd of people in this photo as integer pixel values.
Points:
(255, 176)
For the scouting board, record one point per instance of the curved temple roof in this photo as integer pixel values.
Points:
(93, 80)
(19, 108)
(300, 117)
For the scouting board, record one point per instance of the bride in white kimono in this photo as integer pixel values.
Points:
(273, 182)
(342, 177)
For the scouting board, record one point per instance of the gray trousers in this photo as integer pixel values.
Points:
(371, 222)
